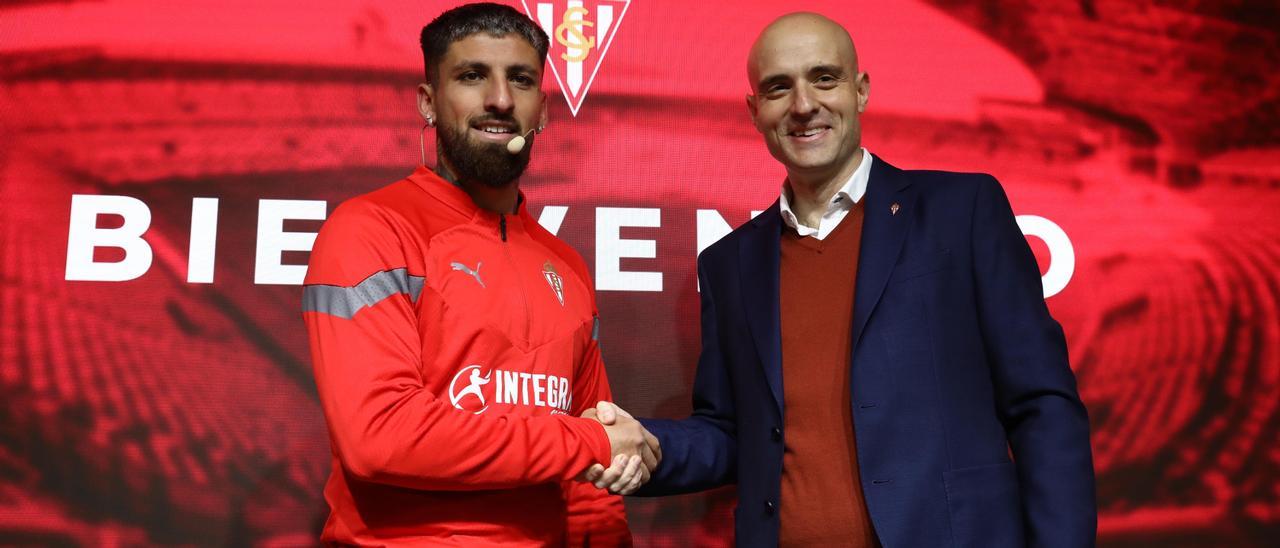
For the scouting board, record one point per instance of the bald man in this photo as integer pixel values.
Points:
(878, 365)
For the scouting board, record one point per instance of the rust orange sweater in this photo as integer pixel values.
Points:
(821, 500)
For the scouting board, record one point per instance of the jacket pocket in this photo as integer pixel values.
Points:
(985, 506)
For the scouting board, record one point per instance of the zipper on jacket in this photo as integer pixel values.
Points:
(524, 294)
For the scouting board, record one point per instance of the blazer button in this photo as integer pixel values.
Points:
(769, 507)
(777, 434)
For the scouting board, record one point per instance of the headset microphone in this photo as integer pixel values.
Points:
(516, 144)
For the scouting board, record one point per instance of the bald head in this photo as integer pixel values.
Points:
(795, 32)
(806, 98)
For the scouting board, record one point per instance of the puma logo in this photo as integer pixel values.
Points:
(473, 273)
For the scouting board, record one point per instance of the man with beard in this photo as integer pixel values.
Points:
(453, 339)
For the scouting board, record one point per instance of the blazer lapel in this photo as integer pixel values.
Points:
(884, 229)
(759, 251)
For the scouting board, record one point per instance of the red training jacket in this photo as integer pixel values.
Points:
(454, 349)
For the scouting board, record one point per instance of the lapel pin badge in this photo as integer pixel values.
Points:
(893, 209)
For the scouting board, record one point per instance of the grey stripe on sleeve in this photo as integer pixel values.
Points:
(344, 302)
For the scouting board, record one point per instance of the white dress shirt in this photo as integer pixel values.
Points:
(837, 208)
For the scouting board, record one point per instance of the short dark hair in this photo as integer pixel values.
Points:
(495, 20)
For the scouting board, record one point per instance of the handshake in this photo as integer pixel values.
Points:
(635, 451)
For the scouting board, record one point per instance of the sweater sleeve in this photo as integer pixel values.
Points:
(386, 427)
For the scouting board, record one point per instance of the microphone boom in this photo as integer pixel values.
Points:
(516, 144)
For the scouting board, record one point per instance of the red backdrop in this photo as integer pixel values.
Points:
(164, 408)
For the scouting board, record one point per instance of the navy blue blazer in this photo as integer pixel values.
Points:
(969, 428)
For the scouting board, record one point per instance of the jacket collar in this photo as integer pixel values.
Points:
(457, 199)
(759, 251)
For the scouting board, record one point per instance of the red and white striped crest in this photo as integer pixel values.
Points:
(580, 32)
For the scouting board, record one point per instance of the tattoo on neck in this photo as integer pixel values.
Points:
(442, 169)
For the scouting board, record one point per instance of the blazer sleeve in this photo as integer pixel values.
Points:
(699, 452)
(1036, 398)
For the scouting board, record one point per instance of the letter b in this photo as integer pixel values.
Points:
(84, 236)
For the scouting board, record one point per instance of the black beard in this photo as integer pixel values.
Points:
(487, 163)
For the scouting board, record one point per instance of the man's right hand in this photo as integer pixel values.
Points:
(635, 451)
(628, 437)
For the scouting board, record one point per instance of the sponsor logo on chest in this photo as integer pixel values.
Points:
(474, 390)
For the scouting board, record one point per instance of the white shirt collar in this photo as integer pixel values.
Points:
(851, 193)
